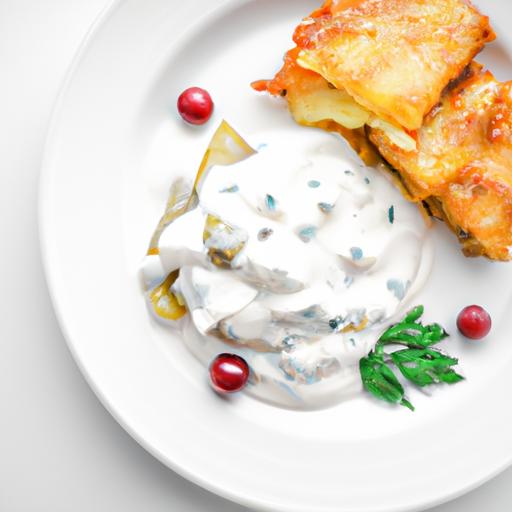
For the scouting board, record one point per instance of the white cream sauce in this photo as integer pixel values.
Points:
(325, 254)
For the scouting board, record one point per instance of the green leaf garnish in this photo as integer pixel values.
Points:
(414, 314)
(381, 382)
(419, 362)
(426, 367)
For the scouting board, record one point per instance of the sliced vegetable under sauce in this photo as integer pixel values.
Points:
(164, 302)
(225, 148)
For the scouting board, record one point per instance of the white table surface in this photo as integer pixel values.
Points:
(60, 450)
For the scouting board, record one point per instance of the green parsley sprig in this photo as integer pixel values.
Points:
(420, 362)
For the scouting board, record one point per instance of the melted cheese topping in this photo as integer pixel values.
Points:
(394, 57)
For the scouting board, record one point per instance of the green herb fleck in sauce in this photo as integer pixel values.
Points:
(391, 214)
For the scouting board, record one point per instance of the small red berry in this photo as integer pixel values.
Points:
(474, 322)
(229, 373)
(195, 105)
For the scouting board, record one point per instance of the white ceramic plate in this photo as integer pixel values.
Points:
(114, 147)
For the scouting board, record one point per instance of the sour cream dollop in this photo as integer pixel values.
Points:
(296, 259)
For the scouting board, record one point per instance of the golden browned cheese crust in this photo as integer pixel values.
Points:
(394, 57)
(463, 164)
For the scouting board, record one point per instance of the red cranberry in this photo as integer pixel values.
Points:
(229, 373)
(474, 322)
(195, 105)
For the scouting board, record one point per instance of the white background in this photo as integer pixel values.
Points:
(59, 449)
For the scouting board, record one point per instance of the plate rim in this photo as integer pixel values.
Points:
(101, 19)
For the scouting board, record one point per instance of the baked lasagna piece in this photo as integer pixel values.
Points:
(387, 60)
(463, 165)
(394, 57)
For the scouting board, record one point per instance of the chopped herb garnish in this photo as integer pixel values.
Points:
(232, 189)
(265, 234)
(313, 183)
(270, 202)
(348, 172)
(290, 340)
(309, 312)
(326, 207)
(391, 214)
(367, 180)
(398, 287)
(307, 233)
(356, 253)
(419, 362)
(333, 324)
